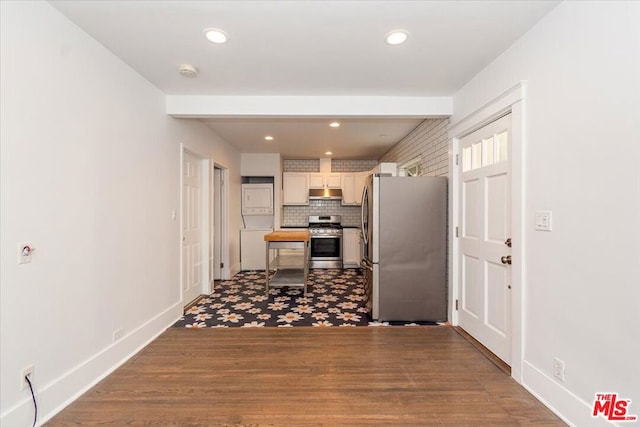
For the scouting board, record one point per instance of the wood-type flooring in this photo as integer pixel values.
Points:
(349, 376)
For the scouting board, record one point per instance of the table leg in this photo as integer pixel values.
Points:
(306, 265)
(266, 272)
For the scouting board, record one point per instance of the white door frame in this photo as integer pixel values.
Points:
(511, 100)
(223, 209)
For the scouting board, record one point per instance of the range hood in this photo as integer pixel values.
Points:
(325, 194)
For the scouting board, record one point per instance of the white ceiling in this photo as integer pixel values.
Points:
(304, 138)
(308, 48)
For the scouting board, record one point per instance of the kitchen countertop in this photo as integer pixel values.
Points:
(287, 236)
(306, 226)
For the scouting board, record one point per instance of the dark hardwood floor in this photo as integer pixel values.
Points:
(419, 376)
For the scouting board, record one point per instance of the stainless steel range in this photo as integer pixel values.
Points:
(326, 241)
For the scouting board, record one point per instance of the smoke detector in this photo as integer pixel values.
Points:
(188, 70)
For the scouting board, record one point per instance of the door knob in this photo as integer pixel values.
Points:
(508, 242)
(506, 259)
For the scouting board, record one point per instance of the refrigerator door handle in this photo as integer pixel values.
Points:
(364, 203)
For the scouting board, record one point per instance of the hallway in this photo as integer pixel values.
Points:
(426, 376)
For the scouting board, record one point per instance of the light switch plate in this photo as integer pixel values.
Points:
(543, 220)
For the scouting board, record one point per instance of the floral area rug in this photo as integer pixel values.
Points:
(335, 297)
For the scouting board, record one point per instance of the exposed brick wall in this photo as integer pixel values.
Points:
(429, 141)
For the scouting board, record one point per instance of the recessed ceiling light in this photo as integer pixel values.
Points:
(396, 37)
(268, 138)
(215, 35)
(328, 153)
(188, 70)
(334, 124)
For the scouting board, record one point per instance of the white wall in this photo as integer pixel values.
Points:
(582, 151)
(266, 164)
(90, 172)
(260, 164)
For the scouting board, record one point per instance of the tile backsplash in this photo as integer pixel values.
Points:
(313, 165)
(292, 165)
(353, 165)
(299, 215)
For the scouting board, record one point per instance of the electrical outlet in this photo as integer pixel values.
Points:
(558, 369)
(117, 334)
(26, 372)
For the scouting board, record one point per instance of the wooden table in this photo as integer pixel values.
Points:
(291, 270)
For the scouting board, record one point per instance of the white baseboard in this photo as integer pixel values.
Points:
(58, 394)
(570, 408)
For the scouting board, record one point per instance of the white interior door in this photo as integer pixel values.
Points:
(485, 247)
(191, 227)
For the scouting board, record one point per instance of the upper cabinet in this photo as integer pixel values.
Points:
(325, 180)
(296, 185)
(352, 186)
(295, 188)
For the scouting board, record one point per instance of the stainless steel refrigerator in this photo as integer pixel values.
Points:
(404, 232)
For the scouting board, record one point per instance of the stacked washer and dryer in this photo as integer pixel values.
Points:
(257, 217)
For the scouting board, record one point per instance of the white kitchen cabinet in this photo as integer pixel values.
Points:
(325, 180)
(352, 185)
(252, 248)
(360, 183)
(351, 247)
(295, 188)
(296, 185)
(348, 195)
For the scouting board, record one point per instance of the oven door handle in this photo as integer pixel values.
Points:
(326, 237)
